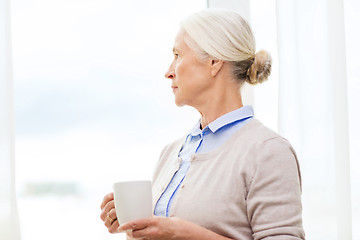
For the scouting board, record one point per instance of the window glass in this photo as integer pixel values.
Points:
(92, 105)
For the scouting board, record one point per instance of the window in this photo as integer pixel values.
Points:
(90, 104)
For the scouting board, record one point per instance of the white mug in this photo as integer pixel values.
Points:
(133, 200)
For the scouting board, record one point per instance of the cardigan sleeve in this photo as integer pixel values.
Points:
(274, 192)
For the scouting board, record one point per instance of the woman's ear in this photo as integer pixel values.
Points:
(216, 65)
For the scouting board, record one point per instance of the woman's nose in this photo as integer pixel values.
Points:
(170, 73)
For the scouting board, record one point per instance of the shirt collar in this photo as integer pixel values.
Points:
(196, 129)
(236, 115)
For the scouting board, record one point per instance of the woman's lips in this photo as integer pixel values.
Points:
(174, 88)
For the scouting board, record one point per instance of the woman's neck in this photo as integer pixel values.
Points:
(219, 106)
(223, 97)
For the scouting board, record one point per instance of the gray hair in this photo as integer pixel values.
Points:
(225, 35)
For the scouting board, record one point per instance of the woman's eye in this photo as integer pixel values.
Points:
(176, 55)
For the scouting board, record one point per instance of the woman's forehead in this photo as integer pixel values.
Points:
(179, 43)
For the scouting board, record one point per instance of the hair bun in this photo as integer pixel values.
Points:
(260, 69)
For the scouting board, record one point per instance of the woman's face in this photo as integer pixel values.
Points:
(191, 78)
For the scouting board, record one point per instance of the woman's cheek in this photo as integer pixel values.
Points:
(178, 63)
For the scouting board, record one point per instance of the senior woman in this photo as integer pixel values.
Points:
(230, 177)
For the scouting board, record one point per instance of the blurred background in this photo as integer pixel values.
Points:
(92, 107)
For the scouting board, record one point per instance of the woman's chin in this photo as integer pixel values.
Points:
(179, 103)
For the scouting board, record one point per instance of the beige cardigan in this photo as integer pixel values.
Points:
(248, 188)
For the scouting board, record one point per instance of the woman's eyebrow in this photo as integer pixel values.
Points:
(175, 50)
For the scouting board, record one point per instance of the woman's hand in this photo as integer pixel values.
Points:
(153, 228)
(160, 228)
(108, 214)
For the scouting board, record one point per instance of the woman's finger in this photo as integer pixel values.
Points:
(114, 227)
(109, 221)
(135, 225)
(107, 198)
(140, 234)
(106, 209)
(112, 213)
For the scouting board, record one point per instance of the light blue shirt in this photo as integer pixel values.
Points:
(200, 141)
